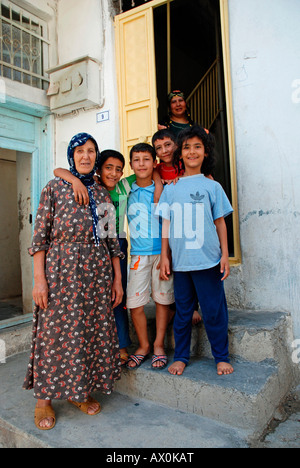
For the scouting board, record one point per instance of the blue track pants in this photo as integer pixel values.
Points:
(208, 287)
(121, 313)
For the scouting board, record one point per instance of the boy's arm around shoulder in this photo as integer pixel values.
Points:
(163, 211)
(80, 191)
(158, 186)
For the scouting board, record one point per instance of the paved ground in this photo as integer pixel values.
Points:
(127, 423)
(284, 432)
(123, 423)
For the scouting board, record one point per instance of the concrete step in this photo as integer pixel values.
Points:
(242, 403)
(15, 339)
(245, 399)
(253, 336)
(125, 422)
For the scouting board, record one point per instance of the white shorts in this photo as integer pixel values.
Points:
(143, 273)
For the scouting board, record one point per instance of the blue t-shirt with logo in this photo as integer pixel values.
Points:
(144, 226)
(192, 205)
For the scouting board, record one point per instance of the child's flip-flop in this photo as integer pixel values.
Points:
(138, 359)
(159, 358)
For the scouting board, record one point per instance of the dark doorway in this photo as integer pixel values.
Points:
(196, 44)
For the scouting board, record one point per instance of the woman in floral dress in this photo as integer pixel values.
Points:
(75, 349)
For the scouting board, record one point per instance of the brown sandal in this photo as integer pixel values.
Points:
(124, 357)
(84, 406)
(44, 413)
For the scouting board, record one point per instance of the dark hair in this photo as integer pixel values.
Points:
(105, 155)
(164, 133)
(208, 141)
(143, 148)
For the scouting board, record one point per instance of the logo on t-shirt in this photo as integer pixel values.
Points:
(197, 198)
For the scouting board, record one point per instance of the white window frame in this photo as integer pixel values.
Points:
(42, 78)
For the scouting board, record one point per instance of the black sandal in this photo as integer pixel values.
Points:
(160, 358)
(138, 359)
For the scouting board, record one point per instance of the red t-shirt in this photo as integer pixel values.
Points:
(169, 173)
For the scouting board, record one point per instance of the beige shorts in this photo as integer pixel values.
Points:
(143, 274)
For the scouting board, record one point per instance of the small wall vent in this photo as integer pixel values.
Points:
(75, 85)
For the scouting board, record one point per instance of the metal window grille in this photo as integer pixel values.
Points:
(126, 5)
(23, 46)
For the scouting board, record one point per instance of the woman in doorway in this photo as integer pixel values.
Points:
(75, 349)
(179, 115)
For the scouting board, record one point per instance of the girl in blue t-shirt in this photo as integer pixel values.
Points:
(195, 234)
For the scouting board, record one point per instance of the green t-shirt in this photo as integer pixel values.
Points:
(119, 198)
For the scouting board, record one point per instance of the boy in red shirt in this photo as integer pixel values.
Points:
(164, 143)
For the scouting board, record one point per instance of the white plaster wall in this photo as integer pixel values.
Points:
(79, 29)
(88, 32)
(264, 40)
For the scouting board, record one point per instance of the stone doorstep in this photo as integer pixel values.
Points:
(253, 336)
(125, 421)
(245, 399)
(17, 339)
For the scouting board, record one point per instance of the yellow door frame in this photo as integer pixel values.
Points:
(224, 11)
(127, 106)
(136, 71)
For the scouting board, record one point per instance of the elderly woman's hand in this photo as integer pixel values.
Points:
(40, 292)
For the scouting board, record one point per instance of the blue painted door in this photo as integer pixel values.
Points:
(29, 133)
(26, 131)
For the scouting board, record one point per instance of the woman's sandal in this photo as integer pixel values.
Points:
(124, 358)
(84, 406)
(44, 413)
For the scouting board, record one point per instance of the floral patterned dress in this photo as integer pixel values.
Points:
(75, 349)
